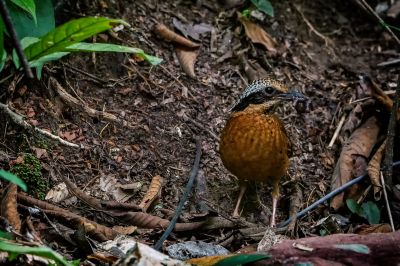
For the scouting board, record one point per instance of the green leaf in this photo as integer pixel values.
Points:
(108, 47)
(371, 212)
(28, 6)
(47, 58)
(354, 207)
(5, 235)
(26, 26)
(359, 248)
(306, 263)
(13, 179)
(25, 42)
(245, 13)
(67, 34)
(45, 252)
(264, 6)
(242, 259)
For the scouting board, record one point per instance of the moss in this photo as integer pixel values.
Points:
(31, 172)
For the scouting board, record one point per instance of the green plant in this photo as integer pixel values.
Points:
(264, 6)
(13, 179)
(367, 210)
(14, 250)
(30, 171)
(55, 43)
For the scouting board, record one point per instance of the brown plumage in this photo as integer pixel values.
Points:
(254, 145)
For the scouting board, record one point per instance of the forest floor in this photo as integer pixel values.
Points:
(322, 49)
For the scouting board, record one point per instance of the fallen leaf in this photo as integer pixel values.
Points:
(361, 143)
(190, 30)
(58, 193)
(258, 35)
(374, 168)
(169, 35)
(152, 193)
(187, 59)
(125, 230)
(39, 152)
(69, 135)
(375, 228)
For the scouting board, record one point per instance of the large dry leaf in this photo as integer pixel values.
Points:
(190, 30)
(359, 144)
(187, 59)
(152, 193)
(171, 36)
(258, 35)
(58, 193)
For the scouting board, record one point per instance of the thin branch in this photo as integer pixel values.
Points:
(19, 120)
(11, 30)
(369, 8)
(327, 197)
(391, 132)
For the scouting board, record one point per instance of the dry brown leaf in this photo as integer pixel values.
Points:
(360, 143)
(258, 35)
(209, 260)
(9, 207)
(171, 36)
(125, 230)
(152, 193)
(374, 167)
(374, 228)
(39, 152)
(187, 59)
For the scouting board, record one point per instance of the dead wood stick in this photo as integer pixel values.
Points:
(19, 120)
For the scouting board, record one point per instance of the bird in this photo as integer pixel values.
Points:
(254, 145)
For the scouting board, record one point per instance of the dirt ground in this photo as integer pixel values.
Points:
(166, 109)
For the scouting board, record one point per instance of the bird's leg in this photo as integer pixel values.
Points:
(275, 196)
(243, 186)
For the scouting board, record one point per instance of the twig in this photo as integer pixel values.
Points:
(19, 120)
(389, 63)
(387, 202)
(189, 185)
(11, 30)
(391, 132)
(336, 134)
(327, 197)
(367, 6)
(326, 39)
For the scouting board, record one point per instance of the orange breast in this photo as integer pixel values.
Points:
(254, 146)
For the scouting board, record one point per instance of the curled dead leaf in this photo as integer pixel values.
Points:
(258, 35)
(360, 143)
(9, 206)
(152, 193)
(187, 59)
(169, 35)
(374, 167)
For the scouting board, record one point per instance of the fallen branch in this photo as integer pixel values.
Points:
(338, 249)
(19, 120)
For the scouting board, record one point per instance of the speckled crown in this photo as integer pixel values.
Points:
(258, 85)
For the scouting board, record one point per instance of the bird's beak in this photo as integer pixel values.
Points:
(293, 95)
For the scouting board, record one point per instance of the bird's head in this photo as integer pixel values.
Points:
(263, 91)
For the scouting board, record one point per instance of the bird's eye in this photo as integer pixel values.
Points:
(269, 90)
